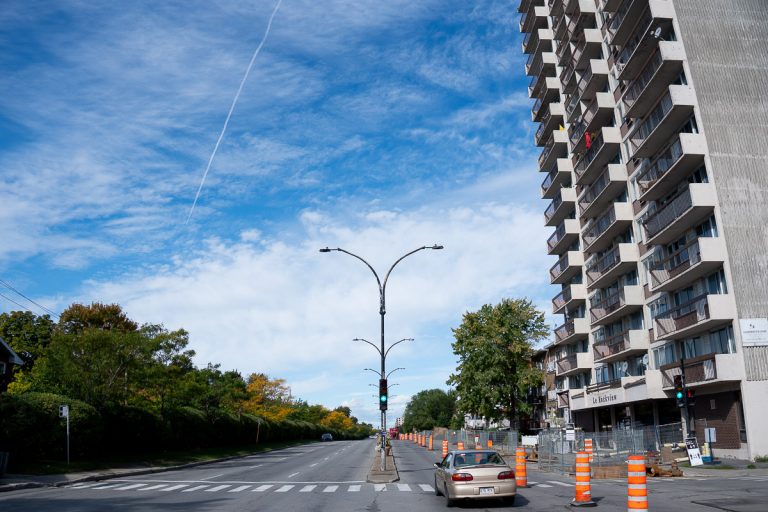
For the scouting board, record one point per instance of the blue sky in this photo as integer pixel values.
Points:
(374, 126)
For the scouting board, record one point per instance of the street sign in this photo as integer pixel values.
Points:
(570, 434)
(692, 446)
(63, 411)
(530, 440)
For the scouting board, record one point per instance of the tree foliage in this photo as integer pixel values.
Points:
(428, 409)
(495, 347)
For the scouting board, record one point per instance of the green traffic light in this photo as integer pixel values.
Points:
(383, 398)
(679, 395)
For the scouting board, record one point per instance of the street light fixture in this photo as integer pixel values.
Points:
(382, 311)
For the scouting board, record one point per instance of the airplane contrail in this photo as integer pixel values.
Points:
(232, 108)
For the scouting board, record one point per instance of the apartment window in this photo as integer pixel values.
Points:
(601, 374)
(722, 341)
(699, 176)
(682, 296)
(664, 354)
(708, 228)
(690, 126)
(716, 283)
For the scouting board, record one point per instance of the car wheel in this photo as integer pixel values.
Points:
(437, 489)
(448, 501)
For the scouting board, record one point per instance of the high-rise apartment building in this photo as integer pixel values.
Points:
(653, 128)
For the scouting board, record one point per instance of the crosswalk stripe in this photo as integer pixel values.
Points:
(354, 488)
(427, 488)
(217, 488)
(532, 483)
(307, 488)
(196, 488)
(126, 487)
(107, 486)
(331, 488)
(403, 487)
(85, 486)
(175, 487)
(379, 487)
(559, 483)
(262, 488)
(239, 489)
(285, 488)
(152, 487)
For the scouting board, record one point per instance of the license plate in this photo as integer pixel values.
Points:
(486, 490)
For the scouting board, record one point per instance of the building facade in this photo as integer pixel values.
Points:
(652, 121)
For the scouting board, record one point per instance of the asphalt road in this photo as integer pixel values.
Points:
(331, 477)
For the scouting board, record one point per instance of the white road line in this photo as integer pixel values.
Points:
(307, 488)
(331, 488)
(294, 474)
(543, 485)
(214, 476)
(126, 487)
(403, 487)
(285, 488)
(427, 488)
(256, 466)
(217, 488)
(175, 487)
(532, 483)
(85, 486)
(559, 483)
(353, 488)
(108, 486)
(153, 487)
(196, 488)
(313, 465)
(239, 489)
(379, 487)
(262, 488)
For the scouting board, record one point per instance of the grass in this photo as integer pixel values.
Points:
(761, 458)
(146, 460)
(751, 466)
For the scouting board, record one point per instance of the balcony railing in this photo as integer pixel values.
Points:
(567, 363)
(606, 384)
(638, 84)
(594, 190)
(610, 346)
(659, 165)
(553, 206)
(561, 266)
(576, 131)
(573, 102)
(590, 111)
(629, 48)
(659, 219)
(683, 316)
(565, 331)
(603, 306)
(547, 151)
(676, 263)
(652, 121)
(583, 81)
(599, 226)
(537, 106)
(697, 369)
(556, 237)
(562, 298)
(567, 74)
(551, 176)
(603, 264)
(589, 155)
(618, 18)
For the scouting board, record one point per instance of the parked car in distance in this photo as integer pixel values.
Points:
(475, 474)
(326, 437)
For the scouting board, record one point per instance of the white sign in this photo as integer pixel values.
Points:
(754, 332)
(570, 435)
(693, 451)
(530, 440)
(63, 411)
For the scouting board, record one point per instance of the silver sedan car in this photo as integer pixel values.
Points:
(475, 474)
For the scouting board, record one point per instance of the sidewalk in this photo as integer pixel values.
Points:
(728, 467)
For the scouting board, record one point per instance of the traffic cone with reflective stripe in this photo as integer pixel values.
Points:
(583, 491)
(445, 448)
(460, 445)
(521, 474)
(490, 444)
(637, 493)
(588, 448)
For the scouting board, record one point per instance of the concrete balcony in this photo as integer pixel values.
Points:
(556, 7)
(553, 119)
(542, 60)
(598, 235)
(557, 177)
(582, 17)
(600, 194)
(525, 5)
(655, 24)
(696, 260)
(596, 114)
(556, 147)
(574, 363)
(660, 175)
(591, 81)
(663, 122)
(571, 296)
(573, 330)
(623, 22)
(609, 5)
(702, 314)
(665, 65)
(550, 92)
(562, 399)
(620, 346)
(561, 207)
(620, 303)
(608, 267)
(706, 369)
(567, 267)
(534, 19)
(602, 150)
(691, 206)
(588, 46)
(533, 39)
(564, 236)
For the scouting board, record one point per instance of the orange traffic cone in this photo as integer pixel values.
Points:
(521, 474)
(637, 493)
(583, 491)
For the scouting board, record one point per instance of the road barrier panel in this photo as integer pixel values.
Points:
(583, 491)
(637, 492)
(521, 473)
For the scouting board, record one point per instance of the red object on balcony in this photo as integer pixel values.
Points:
(589, 140)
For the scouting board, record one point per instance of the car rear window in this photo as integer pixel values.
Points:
(476, 459)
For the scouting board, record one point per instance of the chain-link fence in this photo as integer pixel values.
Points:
(504, 441)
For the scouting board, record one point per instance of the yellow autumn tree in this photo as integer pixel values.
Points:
(337, 420)
(268, 398)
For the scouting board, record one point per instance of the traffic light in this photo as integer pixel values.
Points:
(690, 396)
(383, 394)
(680, 391)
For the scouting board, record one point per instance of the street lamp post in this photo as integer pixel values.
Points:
(382, 311)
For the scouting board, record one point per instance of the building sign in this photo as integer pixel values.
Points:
(604, 399)
(754, 332)
(692, 446)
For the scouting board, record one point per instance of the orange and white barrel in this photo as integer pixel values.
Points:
(521, 474)
(431, 442)
(588, 448)
(460, 445)
(637, 492)
(583, 496)
(490, 444)
(445, 448)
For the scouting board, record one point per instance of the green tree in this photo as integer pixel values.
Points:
(302, 411)
(495, 347)
(428, 409)
(27, 334)
(78, 317)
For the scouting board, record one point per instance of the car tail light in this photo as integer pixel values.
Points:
(506, 475)
(461, 477)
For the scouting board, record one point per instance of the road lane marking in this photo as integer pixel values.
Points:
(331, 488)
(196, 488)
(217, 488)
(541, 485)
(379, 487)
(153, 487)
(239, 489)
(285, 488)
(427, 488)
(294, 474)
(107, 486)
(313, 465)
(214, 476)
(307, 488)
(353, 488)
(559, 483)
(132, 486)
(403, 487)
(256, 466)
(175, 487)
(85, 486)
(262, 488)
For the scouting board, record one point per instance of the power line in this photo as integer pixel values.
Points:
(10, 287)
(25, 308)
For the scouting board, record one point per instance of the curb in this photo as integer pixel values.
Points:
(376, 476)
